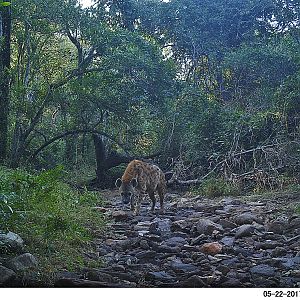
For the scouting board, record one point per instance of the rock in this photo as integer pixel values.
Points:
(227, 224)
(180, 267)
(231, 283)
(266, 245)
(223, 269)
(68, 282)
(194, 281)
(294, 223)
(263, 269)
(175, 241)
(146, 254)
(276, 227)
(22, 262)
(278, 251)
(231, 262)
(167, 249)
(246, 218)
(163, 225)
(124, 245)
(161, 276)
(231, 201)
(96, 275)
(6, 275)
(244, 230)
(211, 248)
(199, 239)
(66, 274)
(205, 226)
(227, 240)
(11, 241)
(181, 225)
(243, 252)
(119, 215)
(289, 262)
(144, 245)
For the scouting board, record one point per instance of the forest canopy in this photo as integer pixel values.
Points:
(205, 88)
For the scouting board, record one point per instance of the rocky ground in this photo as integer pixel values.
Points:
(229, 242)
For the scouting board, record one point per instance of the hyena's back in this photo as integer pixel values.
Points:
(150, 177)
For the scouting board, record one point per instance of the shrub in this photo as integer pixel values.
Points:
(56, 221)
(216, 187)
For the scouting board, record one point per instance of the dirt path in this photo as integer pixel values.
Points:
(198, 242)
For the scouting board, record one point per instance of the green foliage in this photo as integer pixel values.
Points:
(56, 221)
(216, 187)
(3, 4)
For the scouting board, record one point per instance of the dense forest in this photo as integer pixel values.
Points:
(208, 90)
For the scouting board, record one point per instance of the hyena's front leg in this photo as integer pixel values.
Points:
(132, 202)
(139, 200)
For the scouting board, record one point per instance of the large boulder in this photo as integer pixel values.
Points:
(22, 262)
(6, 275)
(11, 242)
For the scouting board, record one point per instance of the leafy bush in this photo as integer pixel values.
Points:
(56, 221)
(216, 187)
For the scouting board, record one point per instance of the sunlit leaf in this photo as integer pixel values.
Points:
(5, 4)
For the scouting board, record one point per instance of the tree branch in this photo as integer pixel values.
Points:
(73, 132)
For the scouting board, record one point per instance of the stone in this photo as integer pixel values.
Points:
(263, 269)
(276, 227)
(206, 226)
(6, 275)
(278, 251)
(161, 276)
(211, 248)
(181, 225)
(163, 225)
(244, 230)
(266, 245)
(294, 223)
(175, 241)
(121, 215)
(227, 224)
(245, 218)
(11, 241)
(194, 281)
(144, 245)
(231, 283)
(180, 267)
(146, 254)
(167, 249)
(223, 269)
(198, 240)
(69, 282)
(66, 274)
(227, 240)
(22, 262)
(95, 275)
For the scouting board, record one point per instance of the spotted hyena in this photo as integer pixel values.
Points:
(141, 178)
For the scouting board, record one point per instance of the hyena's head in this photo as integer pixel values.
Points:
(127, 189)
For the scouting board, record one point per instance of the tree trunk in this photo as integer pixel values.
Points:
(5, 29)
(100, 155)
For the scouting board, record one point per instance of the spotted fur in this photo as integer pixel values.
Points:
(139, 179)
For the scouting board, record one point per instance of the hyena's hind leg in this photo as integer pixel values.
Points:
(161, 190)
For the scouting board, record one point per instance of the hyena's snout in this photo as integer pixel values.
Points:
(126, 197)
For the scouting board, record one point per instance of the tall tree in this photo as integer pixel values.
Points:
(5, 28)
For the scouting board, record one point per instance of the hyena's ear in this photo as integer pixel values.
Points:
(118, 182)
(134, 182)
